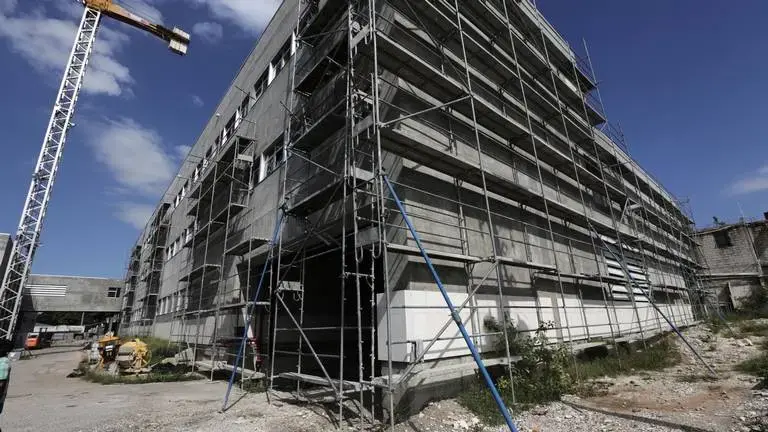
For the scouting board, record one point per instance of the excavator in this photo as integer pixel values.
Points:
(27, 236)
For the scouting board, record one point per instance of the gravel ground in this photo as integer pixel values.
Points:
(682, 395)
(42, 399)
(678, 395)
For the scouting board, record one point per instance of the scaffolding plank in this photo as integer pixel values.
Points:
(321, 129)
(589, 277)
(318, 380)
(318, 199)
(448, 256)
(246, 246)
(229, 210)
(527, 264)
(199, 272)
(381, 381)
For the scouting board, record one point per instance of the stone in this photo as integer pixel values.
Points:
(540, 410)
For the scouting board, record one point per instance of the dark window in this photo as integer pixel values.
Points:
(113, 292)
(722, 239)
(274, 155)
(281, 59)
(260, 86)
(244, 106)
(229, 129)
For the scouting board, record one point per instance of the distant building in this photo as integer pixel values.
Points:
(734, 259)
(55, 293)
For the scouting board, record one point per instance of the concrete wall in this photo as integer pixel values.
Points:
(732, 272)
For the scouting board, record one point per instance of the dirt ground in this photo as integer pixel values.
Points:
(42, 399)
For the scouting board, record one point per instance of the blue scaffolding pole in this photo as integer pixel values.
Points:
(455, 315)
(252, 308)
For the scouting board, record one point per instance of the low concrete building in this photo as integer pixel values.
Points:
(58, 293)
(734, 261)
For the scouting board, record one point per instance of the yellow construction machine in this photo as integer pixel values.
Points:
(131, 356)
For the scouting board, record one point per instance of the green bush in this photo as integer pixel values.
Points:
(659, 355)
(103, 378)
(159, 348)
(757, 366)
(541, 375)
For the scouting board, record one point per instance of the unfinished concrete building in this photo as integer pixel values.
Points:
(734, 259)
(280, 225)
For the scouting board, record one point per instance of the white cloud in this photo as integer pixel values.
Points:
(755, 182)
(210, 32)
(135, 157)
(133, 154)
(70, 9)
(134, 214)
(182, 151)
(144, 9)
(45, 42)
(250, 15)
(197, 101)
(7, 5)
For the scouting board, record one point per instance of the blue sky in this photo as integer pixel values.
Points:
(685, 79)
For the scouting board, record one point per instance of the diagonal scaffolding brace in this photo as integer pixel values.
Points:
(454, 314)
(650, 300)
(253, 305)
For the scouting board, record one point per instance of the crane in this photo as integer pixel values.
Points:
(27, 236)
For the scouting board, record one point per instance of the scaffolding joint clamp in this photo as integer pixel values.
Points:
(456, 317)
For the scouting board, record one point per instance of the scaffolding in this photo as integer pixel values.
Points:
(486, 124)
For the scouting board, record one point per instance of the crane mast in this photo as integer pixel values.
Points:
(27, 237)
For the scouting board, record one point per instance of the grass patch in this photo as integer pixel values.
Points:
(754, 328)
(160, 348)
(757, 365)
(657, 356)
(106, 379)
(180, 373)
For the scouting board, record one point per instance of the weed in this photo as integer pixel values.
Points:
(757, 366)
(159, 348)
(541, 374)
(657, 356)
(254, 386)
(754, 328)
(104, 378)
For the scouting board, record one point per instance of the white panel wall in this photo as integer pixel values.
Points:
(417, 316)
